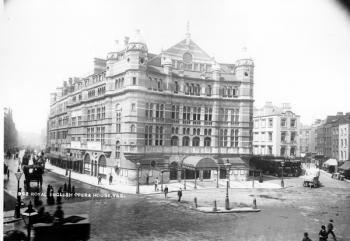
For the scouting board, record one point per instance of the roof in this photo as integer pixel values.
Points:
(331, 162)
(180, 48)
(199, 162)
(345, 166)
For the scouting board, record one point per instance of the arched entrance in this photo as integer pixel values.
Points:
(173, 170)
(102, 166)
(87, 166)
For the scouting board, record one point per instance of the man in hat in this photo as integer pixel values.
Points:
(330, 228)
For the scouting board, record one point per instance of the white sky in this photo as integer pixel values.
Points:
(301, 48)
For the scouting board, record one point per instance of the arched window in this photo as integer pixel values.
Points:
(174, 141)
(185, 141)
(195, 141)
(132, 128)
(224, 92)
(229, 91)
(208, 90)
(117, 150)
(177, 130)
(207, 141)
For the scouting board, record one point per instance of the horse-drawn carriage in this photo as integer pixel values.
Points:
(32, 172)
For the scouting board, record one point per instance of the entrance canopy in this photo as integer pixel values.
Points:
(199, 162)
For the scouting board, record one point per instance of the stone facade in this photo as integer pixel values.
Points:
(276, 131)
(153, 110)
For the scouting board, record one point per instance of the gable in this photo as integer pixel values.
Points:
(182, 47)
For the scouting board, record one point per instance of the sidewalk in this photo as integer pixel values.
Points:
(149, 189)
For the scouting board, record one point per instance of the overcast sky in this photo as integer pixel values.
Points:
(301, 48)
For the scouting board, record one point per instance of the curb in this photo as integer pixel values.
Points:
(233, 210)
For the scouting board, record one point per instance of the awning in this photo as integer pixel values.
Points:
(345, 166)
(331, 162)
(234, 161)
(199, 162)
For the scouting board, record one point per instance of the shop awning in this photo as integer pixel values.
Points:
(331, 162)
(345, 166)
(199, 162)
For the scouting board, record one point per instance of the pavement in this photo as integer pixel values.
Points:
(172, 186)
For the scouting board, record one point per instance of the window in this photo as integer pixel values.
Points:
(283, 136)
(270, 136)
(133, 80)
(176, 90)
(234, 138)
(208, 90)
(117, 150)
(208, 112)
(133, 107)
(283, 122)
(92, 135)
(102, 134)
(148, 135)
(186, 115)
(160, 85)
(103, 114)
(92, 114)
(195, 141)
(187, 89)
(207, 141)
(185, 141)
(270, 150)
(98, 113)
(292, 136)
(270, 122)
(132, 128)
(234, 116)
(283, 150)
(224, 91)
(175, 109)
(263, 123)
(118, 119)
(159, 136)
(73, 121)
(256, 123)
(198, 90)
(98, 131)
(174, 141)
(293, 123)
(292, 151)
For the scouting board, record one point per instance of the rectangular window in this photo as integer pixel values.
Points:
(133, 80)
(293, 123)
(98, 113)
(270, 122)
(103, 114)
(79, 121)
(283, 122)
(270, 136)
(73, 121)
(283, 136)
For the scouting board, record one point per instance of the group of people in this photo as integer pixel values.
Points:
(50, 194)
(324, 233)
(46, 217)
(99, 179)
(166, 190)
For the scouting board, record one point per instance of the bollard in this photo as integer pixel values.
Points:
(195, 202)
(215, 207)
(254, 204)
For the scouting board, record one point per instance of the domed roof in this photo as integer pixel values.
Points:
(136, 42)
(244, 58)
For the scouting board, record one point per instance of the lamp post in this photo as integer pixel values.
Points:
(227, 201)
(27, 215)
(18, 175)
(282, 181)
(162, 181)
(138, 178)
(185, 179)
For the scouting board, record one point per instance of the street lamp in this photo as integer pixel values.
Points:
(138, 178)
(18, 175)
(227, 201)
(282, 181)
(27, 216)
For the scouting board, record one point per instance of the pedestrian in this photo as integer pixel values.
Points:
(306, 237)
(8, 174)
(323, 235)
(59, 214)
(156, 184)
(73, 191)
(59, 196)
(110, 179)
(166, 190)
(330, 228)
(99, 179)
(179, 194)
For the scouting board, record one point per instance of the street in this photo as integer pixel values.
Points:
(286, 213)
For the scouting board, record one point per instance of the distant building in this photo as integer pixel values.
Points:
(344, 140)
(304, 139)
(328, 136)
(276, 131)
(155, 112)
(10, 131)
